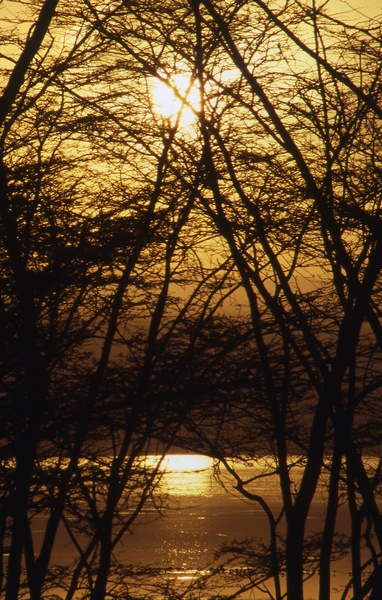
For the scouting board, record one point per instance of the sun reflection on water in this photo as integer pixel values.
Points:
(187, 462)
(186, 474)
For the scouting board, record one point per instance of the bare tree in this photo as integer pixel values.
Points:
(296, 196)
(93, 263)
(208, 270)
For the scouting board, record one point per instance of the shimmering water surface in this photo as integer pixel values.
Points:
(201, 514)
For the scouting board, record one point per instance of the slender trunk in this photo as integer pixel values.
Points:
(30, 50)
(355, 537)
(20, 524)
(99, 590)
(330, 521)
(295, 558)
(366, 490)
(299, 513)
(373, 584)
(358, 473)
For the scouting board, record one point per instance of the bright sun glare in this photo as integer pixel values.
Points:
(179, 97)
(187, 462)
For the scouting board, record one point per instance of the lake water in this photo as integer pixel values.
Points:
(201, 515)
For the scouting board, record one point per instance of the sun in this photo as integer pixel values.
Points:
(176, 98)
(187, 462)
